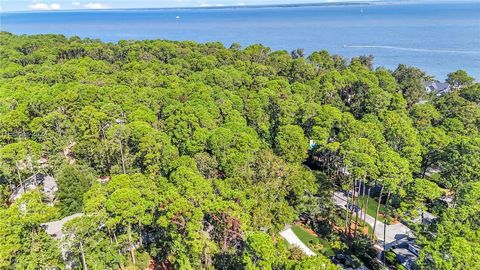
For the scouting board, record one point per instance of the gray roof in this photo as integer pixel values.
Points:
(33, 182)
(403, 254)
(427, 218)
(50, 187)
(435, 86)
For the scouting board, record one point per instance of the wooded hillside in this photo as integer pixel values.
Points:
(205, 154)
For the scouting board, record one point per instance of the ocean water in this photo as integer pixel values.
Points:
(437, 37)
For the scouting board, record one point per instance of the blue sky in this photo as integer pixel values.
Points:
(24, 5)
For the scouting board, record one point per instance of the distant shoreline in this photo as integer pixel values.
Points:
(365, 3)
(391, 31)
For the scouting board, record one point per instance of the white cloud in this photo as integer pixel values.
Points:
(39, 6)
(95, 6)
(55, 6)
(76, 4)
(43, 6)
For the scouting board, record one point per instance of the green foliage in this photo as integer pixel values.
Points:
(314, 242)
(316, 262)
(73, 181)
(417, 193)
(362, 248)
(291, 144)
(25, 245)
(204, 152)
(463, 163)
(410, 83)
(372, 206)
(459, 79)
(261, 251)
(456, 243)
(18, 160)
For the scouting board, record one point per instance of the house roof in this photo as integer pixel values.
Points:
(437, 86)
(427, 217)
(49, 187)
(403, 254)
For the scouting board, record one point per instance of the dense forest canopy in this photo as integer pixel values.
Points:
(194, 156)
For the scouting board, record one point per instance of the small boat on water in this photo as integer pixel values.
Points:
(178, 17)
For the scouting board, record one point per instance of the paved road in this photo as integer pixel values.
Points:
(292, 239)
(394, 233)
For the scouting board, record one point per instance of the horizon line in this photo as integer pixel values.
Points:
(241, 6)
(238, 6)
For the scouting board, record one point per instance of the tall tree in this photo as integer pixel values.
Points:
(25, 245)
(291, 143)
(459, 79)
(73, 181)
(410, 83)
(18, 160)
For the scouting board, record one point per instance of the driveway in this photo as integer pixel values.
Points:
(292, 239)
(54, 228)
(394, 232)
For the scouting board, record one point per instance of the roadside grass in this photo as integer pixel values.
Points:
(309, 239)
(372, 209)
(339, 220)
(363, 224)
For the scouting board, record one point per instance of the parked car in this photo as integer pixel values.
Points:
(353, 207)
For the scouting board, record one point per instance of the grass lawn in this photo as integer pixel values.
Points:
(306, 237)
(372, 208)
(339, 220)
(361, 224)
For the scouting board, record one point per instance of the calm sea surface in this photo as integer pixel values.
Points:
(437, 37)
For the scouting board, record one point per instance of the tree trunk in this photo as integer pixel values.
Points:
(119, 251)
(366, 205)
(384, 241)
(20, 180)
(385, 228)
(351, 206)
(84, 263)
(376, 214)
(355, 207)
(130, 244)
(110, 236)
(224, 245)
(121, 153)
(115, 237)
(346, 218)
(386, 204)
(140, 234)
